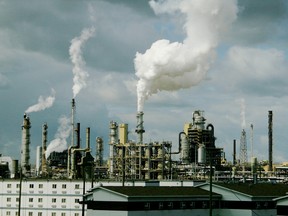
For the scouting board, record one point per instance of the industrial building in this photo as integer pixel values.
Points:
(226, 199)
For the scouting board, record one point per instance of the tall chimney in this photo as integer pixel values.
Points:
(25, 151)
(44, 147)
(234, 152)
(140, 128)
(88, 138)
(72, 121)
(270, 140)
(77, 130)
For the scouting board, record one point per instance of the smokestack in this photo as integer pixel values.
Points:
(234, 152)
(140, 128)
(88, 138)
(44, 147)
(99, 151)
(270, 140)
(77, 130)
(25, 152)
(72, 121)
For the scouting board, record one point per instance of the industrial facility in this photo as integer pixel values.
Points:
(197, 158)
(128, 160)
(136, 160)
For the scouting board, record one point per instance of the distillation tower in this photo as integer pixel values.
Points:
(25, 147)
(198, 142)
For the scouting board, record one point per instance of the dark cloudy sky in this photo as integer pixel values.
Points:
(249, 72)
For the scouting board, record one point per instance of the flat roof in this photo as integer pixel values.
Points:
(260, 189)
(156, 191)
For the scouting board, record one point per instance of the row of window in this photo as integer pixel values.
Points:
(54, 186)
(40, 200)
(8, 213)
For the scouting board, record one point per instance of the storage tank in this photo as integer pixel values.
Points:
(201, 154)
(184, 148)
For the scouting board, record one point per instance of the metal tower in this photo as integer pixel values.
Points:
(243, 148)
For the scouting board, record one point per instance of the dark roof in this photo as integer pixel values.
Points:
(156, 191)
(261, 189)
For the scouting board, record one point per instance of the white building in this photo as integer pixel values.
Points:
(42, 197)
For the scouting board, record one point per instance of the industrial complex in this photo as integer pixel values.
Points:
(138, 176)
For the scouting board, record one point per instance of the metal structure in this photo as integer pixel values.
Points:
(270, 140)
(25, 148)
(243, 149)
(99, 152)
(137, 160)
(198, 142)
(44, 171)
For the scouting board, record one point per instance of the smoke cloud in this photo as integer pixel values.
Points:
(59, 144)
(75, 51)
(43, 103)
(171, 66)
(242, 113)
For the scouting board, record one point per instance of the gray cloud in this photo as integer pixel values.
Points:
(35, 38)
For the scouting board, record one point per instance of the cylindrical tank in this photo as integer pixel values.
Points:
(184, 148)
(38, 160)
(201, 154)
(14, 169)
(123, 133)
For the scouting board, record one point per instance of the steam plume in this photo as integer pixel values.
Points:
(242, 113)
(80, 75)
(172, 66)
(43, 103)
(59, 144)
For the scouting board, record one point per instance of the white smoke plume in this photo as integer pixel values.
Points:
(75, 51)
(59, 144)
(173, 66)
(242, 112)
(43, 103)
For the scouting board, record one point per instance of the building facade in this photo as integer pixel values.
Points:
(41, 197)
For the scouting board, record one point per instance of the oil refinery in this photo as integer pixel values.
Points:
(67, 175)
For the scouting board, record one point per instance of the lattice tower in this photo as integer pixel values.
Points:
(243, 148)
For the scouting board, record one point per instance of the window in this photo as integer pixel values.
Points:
(31, 185)
(40, 200)
(40, 185)
(17, 199)
(64, 186)
(17, 185)
(76, 214)
(77, 186)
(53, 214)
(30, 213)
(39, 213)
(54, 186)
(8, 199)
(8, 185)
(30, 199)
(76, 200)
(8, 213)
(63, 200)
(53, 200)
(63, 214)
